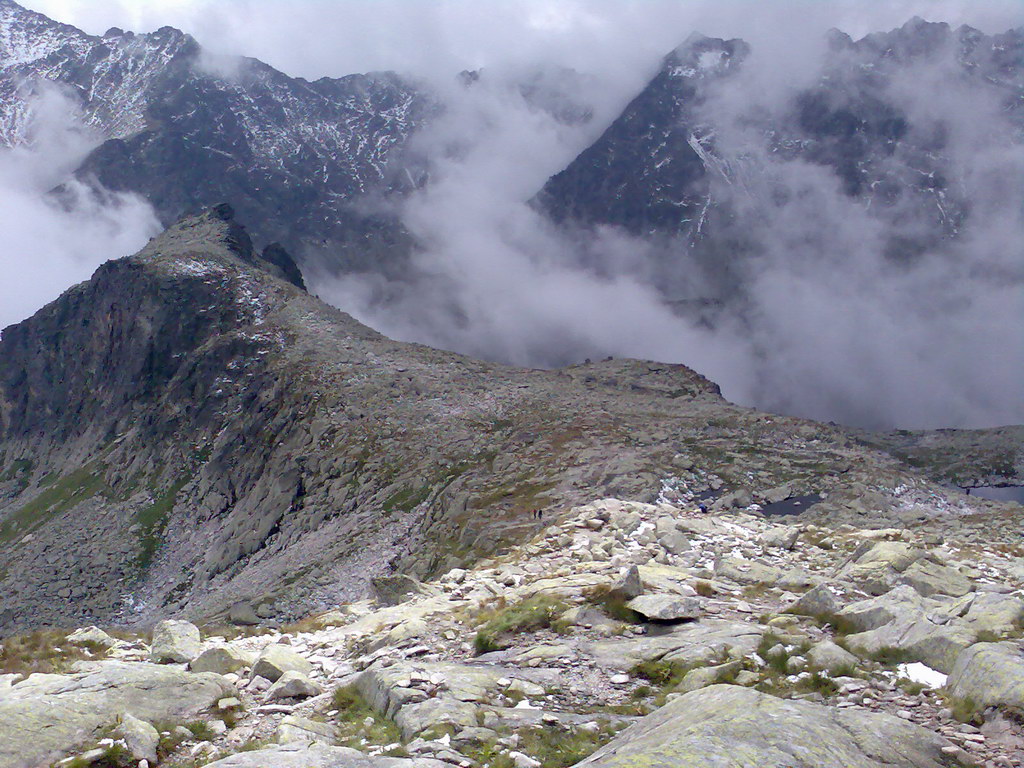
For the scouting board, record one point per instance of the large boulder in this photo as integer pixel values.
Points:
(668, 608)
(222, 659)
(699, 642)
(876, 612)
(818, 601)
(140, 737)
(914, 637)
(829, 657)
(930, 578)
(396, 589)
(50, 716)
(293, 685)
(875, 567)
(988, 675)
(727, 726)
(746, 571)
(300, 755)
(995, 614)
(175, 642)
(275, 660)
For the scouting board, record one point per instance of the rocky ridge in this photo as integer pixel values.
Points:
(208, 432)
(535, 658)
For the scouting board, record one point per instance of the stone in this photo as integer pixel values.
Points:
(995, 614)
(396, 589)
(988, 675)
(729, 726)
(293, 685)
(702, 677)
(54, 715)
(275, 660)
(817, 601)
(667, 608)
(140, 737)
(746, 571)
(930, 578)
(295, 729)
(674, 542)
(697, 642)
(779, 537)
(305, 755)
(91, 636)
(915, 638)
(222, 660)
(242, 614)
(526, 688)
(175, 642)
(876, 612)
(628, 585)
(828, 657)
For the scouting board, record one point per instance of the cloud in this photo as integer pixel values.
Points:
(828, 328)
(49, 246)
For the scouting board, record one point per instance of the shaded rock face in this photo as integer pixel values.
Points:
(731, 727)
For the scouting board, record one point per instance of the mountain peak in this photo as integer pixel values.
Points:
(215, 234)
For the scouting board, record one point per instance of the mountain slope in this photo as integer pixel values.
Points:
(701, 157)
(187, 429)
(186, 130)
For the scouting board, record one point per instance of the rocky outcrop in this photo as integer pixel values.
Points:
(988, 675)
(49, 715)
(736, 727)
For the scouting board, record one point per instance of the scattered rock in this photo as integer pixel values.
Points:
(666, 608)
(140, 737)
(293, 685)
(275, 660)
(175, 642)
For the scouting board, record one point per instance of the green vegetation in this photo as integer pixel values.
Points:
(45, 650)
(704, 588)
(114, 756)
(407, 499)
(201, 730)
(57, 498)
(537, 612)
(612, 604)
(153, 519)
(664, 674)
(358, 723)
(552, 747)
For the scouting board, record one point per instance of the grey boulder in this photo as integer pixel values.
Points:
(988, 675)
(662, 607)
(727, 726)
(175, 642)
(299, 755)
(275, 660)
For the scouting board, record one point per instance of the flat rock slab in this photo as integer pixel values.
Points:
(47, 717)
(727, 726)
(319, 756)
(666, 607)
(700, 641)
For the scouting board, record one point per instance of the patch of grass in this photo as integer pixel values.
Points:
(114, 756)
(552, 747)
(153, 519)
(45, 650)
(964, 710)
(909, 687)
(661, 673)
(704, 588)
(537, 612)
(818, 683)
(201, 730)
(602, 597)
(358, 723)
(56, 499)
(407, 499)
(890, 657)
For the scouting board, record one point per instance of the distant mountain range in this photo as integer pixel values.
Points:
(319, 165)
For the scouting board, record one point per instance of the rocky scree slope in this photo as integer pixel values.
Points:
(186, 130)
(622, 634)
(189, 429)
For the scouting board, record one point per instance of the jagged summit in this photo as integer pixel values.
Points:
(215, 232)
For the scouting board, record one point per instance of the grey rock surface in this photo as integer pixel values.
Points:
(728, 726)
